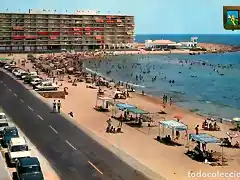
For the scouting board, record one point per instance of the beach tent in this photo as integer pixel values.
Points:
(204, 138)
(137, 111)
(123, 106)
(173, 125)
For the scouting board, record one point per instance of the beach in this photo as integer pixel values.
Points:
(139, 142)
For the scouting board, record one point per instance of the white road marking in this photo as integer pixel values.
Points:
(71, 145)
(53, 129)
(30, 108)
(0, 81)
(21, 100)
(15, 94)
(9, 89)
(4, 84)
(40, 117)
(95, 167)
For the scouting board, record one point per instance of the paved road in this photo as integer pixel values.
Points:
(73, 153)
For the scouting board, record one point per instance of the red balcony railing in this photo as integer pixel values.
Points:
(42, 33)
(18, 37)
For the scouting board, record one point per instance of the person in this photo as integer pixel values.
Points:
(170, 101)
(210, 127)
(71, 114)
(177, 135)
(197, 129)
(58, 106)
(109, 121)
(54, 106)
(205, 124)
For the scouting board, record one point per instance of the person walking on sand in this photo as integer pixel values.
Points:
(197, 129)
(170, 101)
(58, 106)
(54, 106)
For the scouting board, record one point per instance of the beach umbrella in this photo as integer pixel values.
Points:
(236, 119)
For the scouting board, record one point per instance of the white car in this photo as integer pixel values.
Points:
(3, 122)
(31, 74)
(6, 66)
(35, 81)
(17, 148)
(19, 72)
(47, 86)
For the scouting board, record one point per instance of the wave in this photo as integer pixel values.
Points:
(131, 84)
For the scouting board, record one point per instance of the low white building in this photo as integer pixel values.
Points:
(189, 44)
(160, 44)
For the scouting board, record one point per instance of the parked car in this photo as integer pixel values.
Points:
(3, 123)
(35, 81)
(8, 133)
(19, 72)
(29, 74)
(17, 148)
(47, 86)
(28, 168)
(6, 66)
(29, 78)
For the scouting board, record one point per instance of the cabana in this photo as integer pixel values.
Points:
(141, 115)
(124, 106)
(202, 140)
(105, 102)
(174, 126)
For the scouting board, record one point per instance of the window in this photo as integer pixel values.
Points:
(19, 148)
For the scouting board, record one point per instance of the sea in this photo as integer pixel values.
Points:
(207, 84)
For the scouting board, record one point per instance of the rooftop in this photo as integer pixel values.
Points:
(77, 12)
(163, 42)
(17, 141)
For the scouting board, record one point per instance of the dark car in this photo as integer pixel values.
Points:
(8, 133)
(28, 169)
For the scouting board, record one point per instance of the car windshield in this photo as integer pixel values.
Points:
(12, 132)
(3, 124)
(2, 116)
(30, 169)
(19, 148)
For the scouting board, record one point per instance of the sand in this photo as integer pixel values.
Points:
(169, 162)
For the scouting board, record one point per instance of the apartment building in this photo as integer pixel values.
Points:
(41, 30)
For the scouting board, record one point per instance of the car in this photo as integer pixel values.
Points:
(19, 72)
(29, 78)
(6, 66)
(3, 122)
(17, 148)
(47, 86)
(8, 133)
(28, 168)
(35, 81)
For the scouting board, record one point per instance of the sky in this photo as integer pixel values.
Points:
(151, 16)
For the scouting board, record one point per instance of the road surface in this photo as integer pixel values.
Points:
(72, 153)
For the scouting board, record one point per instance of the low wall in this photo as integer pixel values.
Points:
(52, 94)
